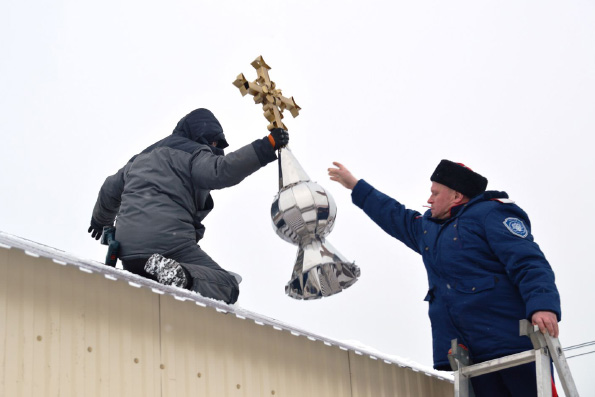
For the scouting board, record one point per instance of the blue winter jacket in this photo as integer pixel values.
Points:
(485, 272)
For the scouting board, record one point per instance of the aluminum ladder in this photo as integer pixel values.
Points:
(545, 350)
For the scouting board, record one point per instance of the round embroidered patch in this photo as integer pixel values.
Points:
(516, 227)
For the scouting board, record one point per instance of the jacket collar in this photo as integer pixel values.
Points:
(459, 209)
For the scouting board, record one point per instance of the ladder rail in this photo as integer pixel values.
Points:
(562, 367)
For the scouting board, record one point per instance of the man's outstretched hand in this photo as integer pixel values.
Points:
(342, 175)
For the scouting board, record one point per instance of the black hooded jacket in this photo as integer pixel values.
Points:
(201, 126)
(161, 196)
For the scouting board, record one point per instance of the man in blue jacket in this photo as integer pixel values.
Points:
(161, 196)
(485, 272)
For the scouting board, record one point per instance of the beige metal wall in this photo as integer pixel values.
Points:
(64, 332)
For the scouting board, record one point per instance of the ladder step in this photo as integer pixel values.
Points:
(498, 364)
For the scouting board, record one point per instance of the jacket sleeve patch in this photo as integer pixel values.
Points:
(516, 227)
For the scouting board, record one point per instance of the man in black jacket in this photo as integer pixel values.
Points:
(161, 196)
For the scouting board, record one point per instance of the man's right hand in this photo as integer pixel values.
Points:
(342, 175)
(95, 229)
(278, 138)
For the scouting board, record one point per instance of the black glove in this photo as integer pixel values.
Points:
(279, 138)
(95, 229)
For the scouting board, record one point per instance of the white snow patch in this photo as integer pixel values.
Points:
(358, 346)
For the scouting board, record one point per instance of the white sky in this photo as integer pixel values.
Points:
(389, 88)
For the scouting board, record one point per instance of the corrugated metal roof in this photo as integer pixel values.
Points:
(34, 249)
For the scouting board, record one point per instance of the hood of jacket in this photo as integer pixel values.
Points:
(202, 126)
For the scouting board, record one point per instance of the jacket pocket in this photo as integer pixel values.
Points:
(476, 285)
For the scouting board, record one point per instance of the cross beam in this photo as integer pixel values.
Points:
(265, 92)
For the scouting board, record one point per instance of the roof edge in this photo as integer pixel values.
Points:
(32, 248)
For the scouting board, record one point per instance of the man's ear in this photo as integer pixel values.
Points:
(460, 198)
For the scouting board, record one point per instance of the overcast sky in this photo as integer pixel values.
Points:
(388, 88)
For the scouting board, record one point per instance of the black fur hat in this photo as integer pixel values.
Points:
(459, 177)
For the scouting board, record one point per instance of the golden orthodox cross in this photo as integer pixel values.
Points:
(265, 92)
